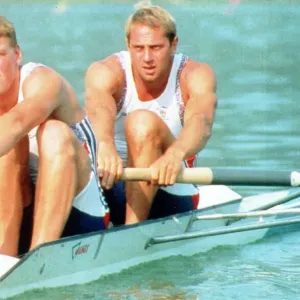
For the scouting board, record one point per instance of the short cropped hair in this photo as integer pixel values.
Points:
(7, 30)
(152, 16)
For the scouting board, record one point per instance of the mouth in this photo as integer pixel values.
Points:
(149, 70)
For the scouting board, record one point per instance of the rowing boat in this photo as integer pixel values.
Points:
(223, 218)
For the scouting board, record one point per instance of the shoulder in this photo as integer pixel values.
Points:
(42, 77)
(107, 72)
(197, 75)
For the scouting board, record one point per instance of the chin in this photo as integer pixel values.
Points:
(149, 78)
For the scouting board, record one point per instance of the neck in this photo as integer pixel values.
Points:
(10, 98)
(149, 90)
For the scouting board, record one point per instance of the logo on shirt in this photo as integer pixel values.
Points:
(162, 111)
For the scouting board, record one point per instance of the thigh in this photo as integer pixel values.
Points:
(14, 177)
(166, 204)
(144, 124)
(67, 149)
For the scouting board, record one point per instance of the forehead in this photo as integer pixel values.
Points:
(143, 34)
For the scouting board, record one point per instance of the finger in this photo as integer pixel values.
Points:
(169, 175)
(154, 175)
(162, 175)
(105, 173)
(119, 170)
(172, 179)
(111, 176)
(100, 168)
(174, 175)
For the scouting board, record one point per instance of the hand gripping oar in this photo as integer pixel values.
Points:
(224, 176)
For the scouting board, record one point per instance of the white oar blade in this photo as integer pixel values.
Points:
(6, 263)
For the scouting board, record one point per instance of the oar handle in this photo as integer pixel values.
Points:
(223, 175)
(192, 175)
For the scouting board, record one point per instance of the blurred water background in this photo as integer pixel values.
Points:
(253, 47)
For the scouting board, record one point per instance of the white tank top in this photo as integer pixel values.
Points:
(89, 204)
(25, 72)
(168, 106)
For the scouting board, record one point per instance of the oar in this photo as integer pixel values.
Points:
(224, 176)
(219, 231)
(6, 263)
(251, 214)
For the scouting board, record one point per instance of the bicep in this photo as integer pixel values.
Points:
(202, 100)
(41, 93)
(99, 90)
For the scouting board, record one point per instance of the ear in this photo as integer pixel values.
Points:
(19, 54)
(127, 43)
(174, 45)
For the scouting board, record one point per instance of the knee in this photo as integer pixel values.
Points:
(56, 139)
(142, 126)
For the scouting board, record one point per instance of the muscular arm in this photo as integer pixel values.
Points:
(199, 113)
(40, 91)
(99, 100)
(103, 83)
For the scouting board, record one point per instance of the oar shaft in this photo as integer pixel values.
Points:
(192, 175)
(225, 176)
(234, 176)
(253, 214)
(219, 231)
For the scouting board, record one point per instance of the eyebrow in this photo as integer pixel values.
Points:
(151, 45)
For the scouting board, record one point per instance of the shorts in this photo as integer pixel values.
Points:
(89, 212)
(164, 204)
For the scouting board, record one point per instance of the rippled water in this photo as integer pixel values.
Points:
(254, 49)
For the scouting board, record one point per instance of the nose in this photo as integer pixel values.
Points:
(147, 55)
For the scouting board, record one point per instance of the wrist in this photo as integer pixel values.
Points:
(177, 152)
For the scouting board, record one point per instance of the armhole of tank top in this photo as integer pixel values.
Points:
(179, 99)
(25, 72)
(121, 59)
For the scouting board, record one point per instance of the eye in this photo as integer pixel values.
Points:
(138, 48)
(156, 47)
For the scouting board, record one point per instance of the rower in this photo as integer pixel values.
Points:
(149, 107)
(37, 102)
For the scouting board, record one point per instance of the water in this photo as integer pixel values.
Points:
(254, 50)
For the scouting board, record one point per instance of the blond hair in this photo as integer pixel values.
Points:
(152, 16)
(7, 30)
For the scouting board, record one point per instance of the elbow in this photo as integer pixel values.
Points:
(207, 134)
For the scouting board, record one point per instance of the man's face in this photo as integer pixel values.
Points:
(151, 52)
(10, 57)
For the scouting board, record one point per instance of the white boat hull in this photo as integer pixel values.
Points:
(81, 259)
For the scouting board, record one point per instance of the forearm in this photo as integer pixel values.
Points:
(10, 133)
(102, 121)
(193, 136)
